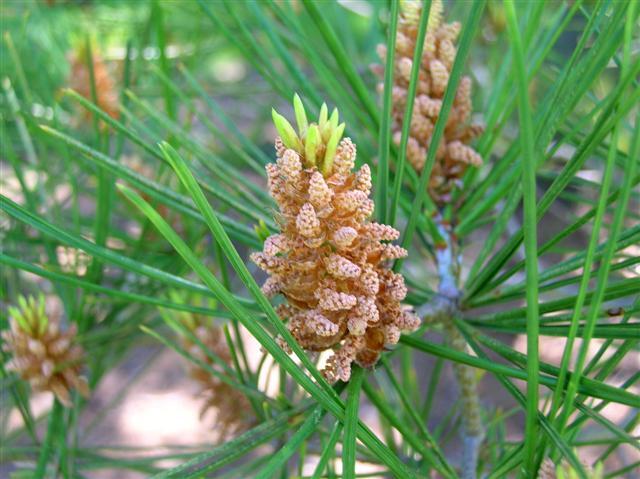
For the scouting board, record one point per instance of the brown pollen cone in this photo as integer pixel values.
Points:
(231, 406)
(80, 81)
(454, 154)
(42, 354)
(329, 261)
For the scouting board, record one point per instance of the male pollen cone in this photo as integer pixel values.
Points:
(329, 261)
(454, 155)
(42, 354)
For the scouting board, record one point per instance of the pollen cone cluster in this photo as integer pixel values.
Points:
(329, 261)
(80, 81)
(42, 354)
(230, 405)
(454, 154)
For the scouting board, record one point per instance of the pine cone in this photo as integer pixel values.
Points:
(43, 354)
(454, 154)
(329, 261)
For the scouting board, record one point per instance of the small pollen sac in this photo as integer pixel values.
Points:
(307, 222)
(344, 236)
(283, 345)
(319, 193)
(339, 365)
(279, 147)
(395, 286)
(365, 209)
(36, 347)
(392, 251)
(392, 334)
(363, 179)
(357, 325)
(367, 310)
(463, 153)
(59, 346)
(335, 301)
(369, 282)
(345, 157)
(275, 244)
(266, 263)
(350, 201)
(342, 268)
(271, 287)
(344, 371)
(408, 321)
(273, 173)
(382, 232)
(404, 68)
(290, 165)
(439, 76)
(403, 45)
(275, 183)
(47, 368)
(259, 259)
(447, 52)
(61, 392)
(321, 325)
(429, 106)
(451, 31)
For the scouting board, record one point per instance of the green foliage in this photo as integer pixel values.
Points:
(165, 201)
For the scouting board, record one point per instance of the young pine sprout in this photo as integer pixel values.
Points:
(454, 154)
(48, 358)
(329, 261)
